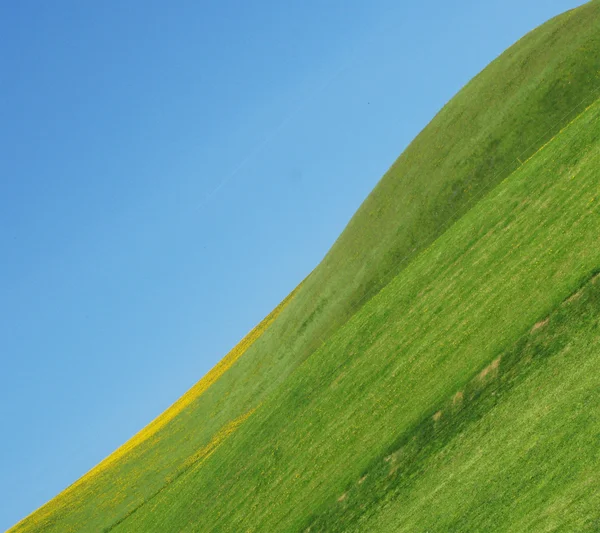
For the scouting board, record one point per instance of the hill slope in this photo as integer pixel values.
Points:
(435, 371)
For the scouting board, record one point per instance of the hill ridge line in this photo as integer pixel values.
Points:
(153, 427)
(450, 222)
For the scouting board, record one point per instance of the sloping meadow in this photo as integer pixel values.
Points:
(444, 321)
(478, 232)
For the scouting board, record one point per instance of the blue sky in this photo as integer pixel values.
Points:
(169, 171)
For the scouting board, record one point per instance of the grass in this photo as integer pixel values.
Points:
(515, 449)
(431, 331)
(401, 387)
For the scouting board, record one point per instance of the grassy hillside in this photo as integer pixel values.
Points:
(435, 371)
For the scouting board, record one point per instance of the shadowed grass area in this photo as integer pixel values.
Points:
(395, 346)
(506, 452)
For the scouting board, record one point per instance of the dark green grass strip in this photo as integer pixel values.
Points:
(407, 458)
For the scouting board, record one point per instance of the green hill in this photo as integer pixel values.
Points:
(438, 370)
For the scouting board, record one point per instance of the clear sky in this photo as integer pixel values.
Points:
(169, 171)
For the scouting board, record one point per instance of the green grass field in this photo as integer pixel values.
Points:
(438, 370)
